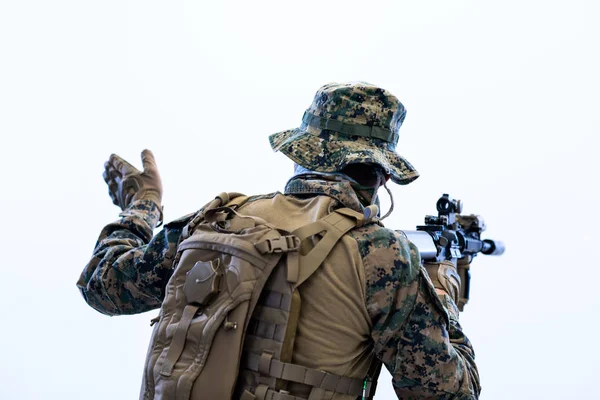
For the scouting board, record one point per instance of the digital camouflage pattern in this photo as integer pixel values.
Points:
(327, 140)
(341, 191)
(130, 268)
(421, 345)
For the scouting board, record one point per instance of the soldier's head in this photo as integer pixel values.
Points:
(351, 128)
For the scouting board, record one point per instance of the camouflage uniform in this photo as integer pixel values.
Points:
(414, 333)
(425, 351)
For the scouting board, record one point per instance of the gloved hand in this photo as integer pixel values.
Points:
(127, 184)
(463, 265)
(451, 279)
(445, 278)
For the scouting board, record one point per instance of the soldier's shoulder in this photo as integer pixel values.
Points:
(374, 237)
(386, 254)
(180, 222)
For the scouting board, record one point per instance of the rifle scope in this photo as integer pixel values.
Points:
(450, 235)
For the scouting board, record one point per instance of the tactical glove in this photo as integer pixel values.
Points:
(464, 264)
(445, 278)
(127, 184)
(452, 280)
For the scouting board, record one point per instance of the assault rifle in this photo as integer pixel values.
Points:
(455, 237)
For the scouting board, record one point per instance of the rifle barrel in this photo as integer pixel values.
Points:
(424, 243)
(493, 247)
(428, 249)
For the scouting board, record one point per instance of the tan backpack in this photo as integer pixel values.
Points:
(236, 274)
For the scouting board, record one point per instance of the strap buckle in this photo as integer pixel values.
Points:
(281, 244)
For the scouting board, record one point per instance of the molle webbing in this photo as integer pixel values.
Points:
(269, 329)
(274, 299)
(273, 371)
(266, 330)
(264, 393)
(267, 366)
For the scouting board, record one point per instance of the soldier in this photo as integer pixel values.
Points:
(379, 304)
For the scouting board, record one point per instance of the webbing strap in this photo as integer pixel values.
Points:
(273, 395)
(247, 396)
(264, 393)
(267, 366)
(274, 299)
(282, 244)
(237, 201)
(178, 341)
(261, 392)
(287, 347)
(232, 199)
(316, 394)
(369, 214)
(348, 129)
(266, 330)
(334, 226)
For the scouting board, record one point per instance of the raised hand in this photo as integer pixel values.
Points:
(127, 184)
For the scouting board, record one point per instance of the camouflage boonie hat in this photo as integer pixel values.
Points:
(348, 123)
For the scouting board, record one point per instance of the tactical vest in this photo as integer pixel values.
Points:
(245, 316)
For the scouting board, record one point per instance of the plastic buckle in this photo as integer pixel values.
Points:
(283, 244)
(293, 242)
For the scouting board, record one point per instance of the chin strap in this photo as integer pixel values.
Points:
(387, 214)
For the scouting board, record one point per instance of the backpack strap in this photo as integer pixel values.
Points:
(237, 201)
(320, 380)
(178, 342)
(232, 199)
(331, 228)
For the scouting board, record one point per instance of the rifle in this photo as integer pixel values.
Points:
(455, 237)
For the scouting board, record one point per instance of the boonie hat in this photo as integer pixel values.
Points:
(348, 123)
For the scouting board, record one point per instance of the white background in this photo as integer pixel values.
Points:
(502, 102)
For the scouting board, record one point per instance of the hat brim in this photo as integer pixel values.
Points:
(329, 151)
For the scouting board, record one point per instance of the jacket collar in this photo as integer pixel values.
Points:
(341, 191)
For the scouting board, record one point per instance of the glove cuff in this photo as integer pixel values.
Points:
(151, 195)
(154, 196)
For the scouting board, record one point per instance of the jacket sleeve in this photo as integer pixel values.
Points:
(130, 268)
(419, 340)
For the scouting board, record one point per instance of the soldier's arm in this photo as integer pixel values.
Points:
(129, 268)
(425, 350)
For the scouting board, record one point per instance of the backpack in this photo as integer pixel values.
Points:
(233, 275)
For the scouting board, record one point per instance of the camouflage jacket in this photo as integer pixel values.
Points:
(415, 333)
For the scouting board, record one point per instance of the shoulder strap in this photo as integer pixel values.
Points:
(232, 199)
(331, 228)
(237, 201)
